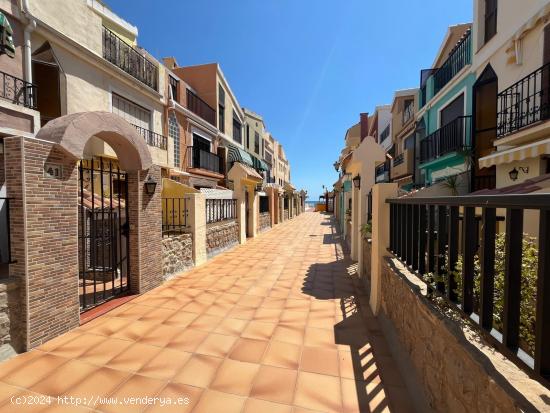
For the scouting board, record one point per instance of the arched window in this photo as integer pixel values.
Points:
(174, 133)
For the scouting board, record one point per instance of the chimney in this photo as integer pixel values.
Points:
(364, 120)
(170, 62)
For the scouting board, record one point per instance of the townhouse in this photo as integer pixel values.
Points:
(380, 128)
(403, 135)
(444, 118)
(511, 66)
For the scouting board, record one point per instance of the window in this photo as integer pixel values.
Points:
(490, 19)
(174, 133)
(408, 110)
(257, 142)
(247, 136)
(237, 129)
(174, 86)
(409, 142)
(133, 113)
(221, 109)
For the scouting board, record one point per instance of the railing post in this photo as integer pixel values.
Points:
(542, 326)
(197, 226)
(380, 238)
(512, 278)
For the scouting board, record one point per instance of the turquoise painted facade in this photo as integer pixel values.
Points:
(431, 119)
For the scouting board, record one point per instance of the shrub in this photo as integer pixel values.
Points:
(529, 267)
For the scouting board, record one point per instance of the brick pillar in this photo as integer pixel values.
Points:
(197, 224)
(145, 217)
(45, 238)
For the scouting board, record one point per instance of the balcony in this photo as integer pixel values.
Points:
(125, 57)
(153, 139)
(199, 107)
(402, 164)
(201, 159)
(450, 138)
(18, 91)
(382, 173)
(457, 60)
(525, 103)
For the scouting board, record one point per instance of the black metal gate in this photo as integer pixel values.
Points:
(103, 239)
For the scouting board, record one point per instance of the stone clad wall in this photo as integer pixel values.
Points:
(8, 310)
(177, 254)
(265, 221)
(457, 369)
(221, 236)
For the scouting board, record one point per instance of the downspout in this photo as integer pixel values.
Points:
(27, 47)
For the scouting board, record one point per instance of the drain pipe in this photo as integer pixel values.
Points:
(27, 47)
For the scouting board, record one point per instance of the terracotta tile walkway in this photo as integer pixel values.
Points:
(276, 325)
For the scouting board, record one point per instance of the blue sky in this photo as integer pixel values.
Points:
(308, 66)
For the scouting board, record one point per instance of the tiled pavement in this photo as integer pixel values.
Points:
(271, 326)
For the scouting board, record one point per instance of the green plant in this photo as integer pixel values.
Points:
(452, 183)
(366, 229)
(529, 268)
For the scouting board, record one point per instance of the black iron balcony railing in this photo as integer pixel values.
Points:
(450, 138)
(220, 210)
(199, 107)
(399, 159)
(175, 213)
(201, 159)
(381, 169)
(524, 103)
(152, 138)
(18, 91)
(125, 57)
(270, 180)
(457, 60)
(481, 268)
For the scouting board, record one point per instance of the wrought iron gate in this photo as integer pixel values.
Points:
(103, 238)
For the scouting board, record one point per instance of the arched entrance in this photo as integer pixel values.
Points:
(106, 207)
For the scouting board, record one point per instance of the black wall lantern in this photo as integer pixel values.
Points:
(357, 181)
(150, 185)
(514, 173)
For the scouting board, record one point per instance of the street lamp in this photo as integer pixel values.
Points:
(357, 181)
(514, 173)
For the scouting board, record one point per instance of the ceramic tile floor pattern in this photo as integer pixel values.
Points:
(277, 325)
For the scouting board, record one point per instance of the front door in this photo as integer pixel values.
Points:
(103, 232)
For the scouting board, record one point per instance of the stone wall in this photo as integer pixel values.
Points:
(458, 370)
(177, 254)
(265, 221)
(221, 236)
(8, 311)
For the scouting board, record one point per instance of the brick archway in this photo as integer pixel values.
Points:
(72, 132)
(45, 222)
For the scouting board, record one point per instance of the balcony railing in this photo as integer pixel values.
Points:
(199, 107)
(449, 138)
(495, 275)
(399, 159)
(457, 60)
(152, 138)
(201, 159)
(524, 103)
(18, 91)
(220, 210)
(125, 57)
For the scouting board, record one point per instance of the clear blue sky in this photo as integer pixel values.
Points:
(308, 66)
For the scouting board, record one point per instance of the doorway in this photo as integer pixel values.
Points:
(103, 232)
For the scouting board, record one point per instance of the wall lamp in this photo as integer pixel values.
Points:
(357, 181)
(514, 173)
(150, 185)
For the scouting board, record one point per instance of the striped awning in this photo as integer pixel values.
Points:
(533, 150)
(259, 164)
(236, 154)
